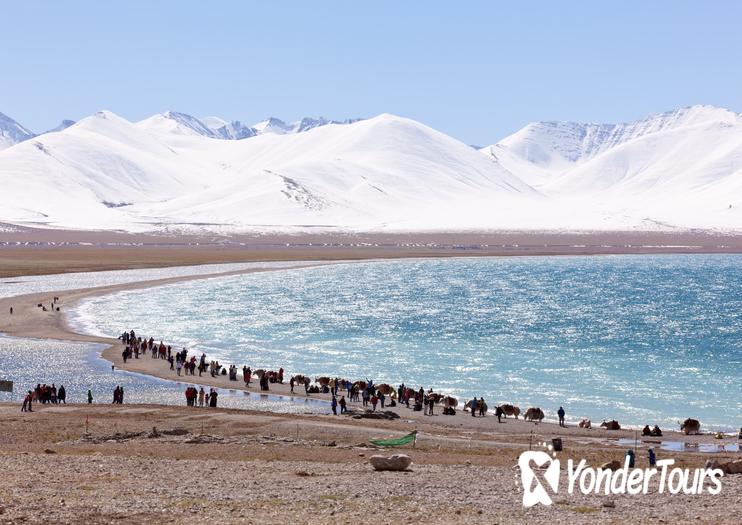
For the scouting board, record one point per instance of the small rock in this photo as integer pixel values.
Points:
(395, 462)
(609, 504)
(361, 455)
(49, 451)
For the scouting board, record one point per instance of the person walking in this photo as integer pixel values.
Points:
(561, 414)
(474, 407)
(652, 458)
(343, 405)
(201, 395)
(334, 405)
(90, 397)
(499, 412)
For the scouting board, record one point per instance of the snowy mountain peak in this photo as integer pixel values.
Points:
(177, 123)
(280, 127)
(62, 126)
(11, 132)
(234, 130)
(272, 125)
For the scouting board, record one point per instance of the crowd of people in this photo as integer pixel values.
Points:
(49, 394)
(199, 397)
(369, 394)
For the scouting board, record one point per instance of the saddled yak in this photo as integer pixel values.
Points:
(611, 425)
(510, 410)
(299, 379)
(690, 426)
(585, 423)
(384, 389)
(449, 402)
(467, 406)
(323, 381)
(534, 414)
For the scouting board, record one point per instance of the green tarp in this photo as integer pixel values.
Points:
(399, 442)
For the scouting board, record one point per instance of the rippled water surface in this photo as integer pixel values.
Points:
(11, 286)
(79, 367)
(643, 339)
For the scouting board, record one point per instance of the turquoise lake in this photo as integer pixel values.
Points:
(642, 339)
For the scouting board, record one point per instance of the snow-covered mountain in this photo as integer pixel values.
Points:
(106, 172)
(11, 132)
(279, 127)
(676, 170)
(218, 128)
(546, 149)
(234, 130)
(681, 168)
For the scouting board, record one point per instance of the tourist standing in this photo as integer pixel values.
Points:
(561, 415)
(27, 403)
(62, 395)
(213, 398)
(90, 397)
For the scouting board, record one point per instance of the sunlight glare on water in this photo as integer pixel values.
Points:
(643, 339)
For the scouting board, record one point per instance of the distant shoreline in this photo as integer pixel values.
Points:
(27, 251)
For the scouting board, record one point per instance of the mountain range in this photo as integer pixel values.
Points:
(677, 170)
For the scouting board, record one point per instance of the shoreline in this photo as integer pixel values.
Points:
(26, 251)
(30, 321)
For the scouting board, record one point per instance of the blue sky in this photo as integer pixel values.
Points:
(475, 70)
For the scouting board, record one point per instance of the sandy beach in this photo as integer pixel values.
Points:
(245, 466)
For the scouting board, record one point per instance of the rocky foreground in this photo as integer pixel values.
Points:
(159, 464)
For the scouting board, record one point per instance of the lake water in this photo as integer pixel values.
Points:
(79, 367)
(642, 339)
